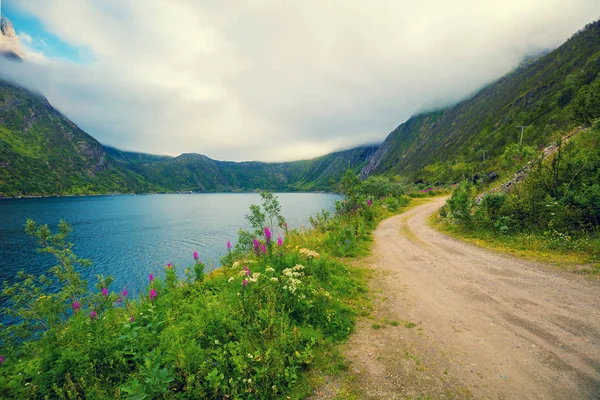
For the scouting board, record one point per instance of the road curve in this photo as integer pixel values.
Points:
(498, 326)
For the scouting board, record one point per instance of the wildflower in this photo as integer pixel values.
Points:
(256, 245)
(263, 249)
(169, 265)
(279, 241)
(228, 245)
(131, 319)
(2, 359)
(230, 279)
(269, 269)
(255, 277)
(268, 233)
(309, 253)
(152, 294)
(151, 277)
(75, 306)
(246, 271)
(369, 202)
(104, 292)
(245, 283)
(120, 299)
(274, 279)
(196, 256)
(124, 293)
(93, 315)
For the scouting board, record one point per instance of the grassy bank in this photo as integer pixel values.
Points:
(552, 215)
(278, 308)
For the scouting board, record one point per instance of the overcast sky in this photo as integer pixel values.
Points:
(270, 80)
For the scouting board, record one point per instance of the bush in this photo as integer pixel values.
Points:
(459, 204)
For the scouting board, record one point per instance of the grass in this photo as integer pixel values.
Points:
(528, 247)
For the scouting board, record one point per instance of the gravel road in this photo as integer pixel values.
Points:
(452, 320)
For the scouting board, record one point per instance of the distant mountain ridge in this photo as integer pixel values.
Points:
(196, 172)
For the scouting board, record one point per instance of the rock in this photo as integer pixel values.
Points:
(492, 176)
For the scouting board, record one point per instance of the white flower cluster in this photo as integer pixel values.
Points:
(290, 276)
(255, 276)
(242, 262)
(309, 253)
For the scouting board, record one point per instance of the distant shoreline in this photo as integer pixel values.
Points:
(148, 193)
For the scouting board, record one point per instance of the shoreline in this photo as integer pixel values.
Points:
(149, 193)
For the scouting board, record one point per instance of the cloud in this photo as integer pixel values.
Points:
(25, 38)
(265, 80)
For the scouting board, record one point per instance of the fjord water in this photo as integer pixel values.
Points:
(129, 236)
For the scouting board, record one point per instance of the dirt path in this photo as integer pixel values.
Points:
(455, 321)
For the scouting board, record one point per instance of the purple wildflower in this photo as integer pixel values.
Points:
(268, 233)
(196, 255)
(369, 202)
(169, 265)
(75, 306)
(228, 245)
(93, 315)
(120, 299)
(151, 277)
(131, 319)
(263, 248)
(152, 294)
(104, 292)
(245, 283)
(124, 293)
(279, 241)
(2, 359)
(247, 271)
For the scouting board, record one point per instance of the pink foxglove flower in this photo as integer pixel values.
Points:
(93, 315)
(196, 256)
(104, 292)
(151, 277)
(279, 241)
(152, 294)
(268, 233)
(75, 306)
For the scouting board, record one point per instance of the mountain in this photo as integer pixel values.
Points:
(130, 157)
(449, 144)
(200, 173)
(10, 46)
(44, 153)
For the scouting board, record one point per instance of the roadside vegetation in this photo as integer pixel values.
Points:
(277, 308)
(553, 214)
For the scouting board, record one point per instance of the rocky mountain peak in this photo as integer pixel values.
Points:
(10, 46)
(7, 29)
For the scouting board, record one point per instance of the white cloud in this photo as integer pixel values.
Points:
(25, 38)
(270, 81)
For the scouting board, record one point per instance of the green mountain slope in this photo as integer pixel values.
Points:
(450, 144)
(130, 157)
(199, 173)
(43, 153)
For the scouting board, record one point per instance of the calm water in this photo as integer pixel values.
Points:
(130, 236)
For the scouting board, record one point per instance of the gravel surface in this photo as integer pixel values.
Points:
(452, 320)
